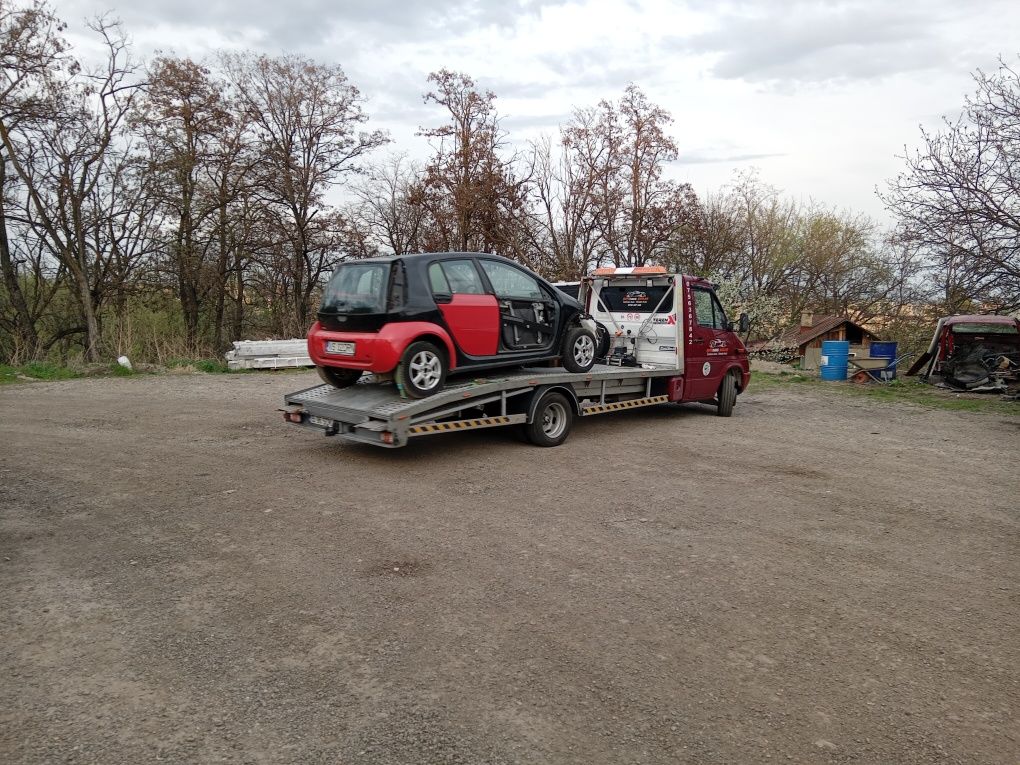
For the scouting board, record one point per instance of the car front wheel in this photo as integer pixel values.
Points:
(422, 369)
(339, 378)
(579, 350)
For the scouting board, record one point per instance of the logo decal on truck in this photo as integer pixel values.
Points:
(706, 369)
(667, 348)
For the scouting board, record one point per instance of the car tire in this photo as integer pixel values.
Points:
(727, 396)
(422, 370)
(602, 336)
(554, 416)
(579, 350)
(339, 378)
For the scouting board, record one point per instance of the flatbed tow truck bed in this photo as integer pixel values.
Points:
(376, 413)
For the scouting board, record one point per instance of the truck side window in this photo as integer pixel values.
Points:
(720, 314)
(703, 309)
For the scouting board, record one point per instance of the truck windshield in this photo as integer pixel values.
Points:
(357, 288)
(635, 299)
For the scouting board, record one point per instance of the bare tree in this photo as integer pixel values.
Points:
(184, 119)
(62, 152)
(306, 119)
(31, 48)
(471, 194)
(564, 233)
(959, 197)
(624, 149)
(388, 208)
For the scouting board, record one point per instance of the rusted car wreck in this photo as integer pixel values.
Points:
(973, 353)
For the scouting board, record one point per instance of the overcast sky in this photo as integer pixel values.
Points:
(820, 96)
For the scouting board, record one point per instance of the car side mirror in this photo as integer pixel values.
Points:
(744, 323)
(442, 297)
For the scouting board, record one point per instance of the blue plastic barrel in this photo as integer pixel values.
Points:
(835, 355)
(885, 351)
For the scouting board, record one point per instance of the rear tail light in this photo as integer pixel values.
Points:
(387, 437)
(293, 417)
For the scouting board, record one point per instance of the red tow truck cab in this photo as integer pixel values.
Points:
(648, 317)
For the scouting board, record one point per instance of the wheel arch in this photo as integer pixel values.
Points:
(401, 334)
(540, 392)
(738, 373)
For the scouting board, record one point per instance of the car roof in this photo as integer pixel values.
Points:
(429, 256)
(979, 319)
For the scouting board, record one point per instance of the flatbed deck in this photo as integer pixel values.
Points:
(376, 413)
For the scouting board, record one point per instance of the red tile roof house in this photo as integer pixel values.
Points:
(806, 339)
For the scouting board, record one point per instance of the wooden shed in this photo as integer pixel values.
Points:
(813, 329)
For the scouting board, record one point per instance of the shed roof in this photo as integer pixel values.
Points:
(797, 336)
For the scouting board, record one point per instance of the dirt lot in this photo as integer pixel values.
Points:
(820, 578)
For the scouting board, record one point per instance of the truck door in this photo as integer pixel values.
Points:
(707, 345)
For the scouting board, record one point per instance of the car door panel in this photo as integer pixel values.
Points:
(470, 313)
(528, 315)
(474, 323)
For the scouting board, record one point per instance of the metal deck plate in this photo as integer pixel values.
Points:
(368, 400)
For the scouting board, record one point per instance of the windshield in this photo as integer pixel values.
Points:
(357, 288)
(636, 299)
(986, 329)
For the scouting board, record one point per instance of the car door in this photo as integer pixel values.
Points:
(707, 346)
(527, 312)
(470, 313)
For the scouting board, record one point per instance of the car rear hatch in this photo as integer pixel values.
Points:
(360, 296)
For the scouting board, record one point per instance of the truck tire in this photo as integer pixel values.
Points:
(422, 370)
(339, 378)
(727, 396)
(553, 419)
(579, 350)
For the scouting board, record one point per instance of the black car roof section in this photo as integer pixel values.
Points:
(430, 256)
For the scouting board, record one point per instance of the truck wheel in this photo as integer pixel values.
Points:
(553, 419)
(579, 350)
(339, 378)
(422, 369)
(727, 396)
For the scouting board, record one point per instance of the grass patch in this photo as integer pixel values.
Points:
(899, 391)
(119, 371)
(37, 370)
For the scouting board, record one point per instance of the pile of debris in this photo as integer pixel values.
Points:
(973, 353)
(269, 354)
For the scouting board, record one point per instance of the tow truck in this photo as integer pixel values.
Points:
(664, 338)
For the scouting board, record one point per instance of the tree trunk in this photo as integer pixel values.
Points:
(25, 326)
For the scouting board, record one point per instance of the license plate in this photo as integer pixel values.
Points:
(322, 422)
(334, 346)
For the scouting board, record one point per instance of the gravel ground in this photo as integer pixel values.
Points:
(818, 579)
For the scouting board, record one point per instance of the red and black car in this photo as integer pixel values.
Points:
(421, 317)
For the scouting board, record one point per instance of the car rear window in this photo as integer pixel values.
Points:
(357, 288)
(636, 299)
(986, 329)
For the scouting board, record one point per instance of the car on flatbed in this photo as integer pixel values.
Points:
(418, 318)
(667, 340)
